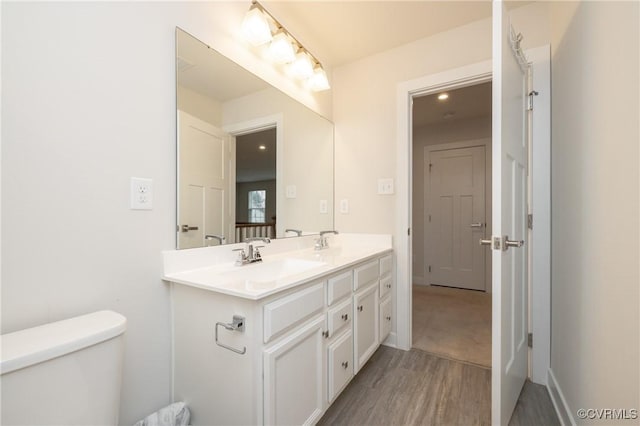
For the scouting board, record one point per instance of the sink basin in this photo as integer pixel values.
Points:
(265, 275)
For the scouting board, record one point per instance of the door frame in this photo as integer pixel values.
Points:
(540, 237)
(470, 143)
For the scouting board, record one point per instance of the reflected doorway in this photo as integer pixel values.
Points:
(256, 185)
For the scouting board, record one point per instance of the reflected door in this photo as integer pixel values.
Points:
(203, 192)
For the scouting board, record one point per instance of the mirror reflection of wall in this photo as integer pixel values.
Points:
(221, 108)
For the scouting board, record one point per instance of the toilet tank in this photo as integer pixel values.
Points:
(63, 373)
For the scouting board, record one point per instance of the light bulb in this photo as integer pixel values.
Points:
(302, 67)
(281, 49)
(443, 96)
(318, 81)
(255, 27)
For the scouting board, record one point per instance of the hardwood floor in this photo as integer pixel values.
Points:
(416, 388)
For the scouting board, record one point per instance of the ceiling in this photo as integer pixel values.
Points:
(202, 69)
(462, 104)
(338, 32)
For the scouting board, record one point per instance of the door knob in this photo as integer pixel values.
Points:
(513, 243)
(485, 242)
(476, 225)
(187, 228)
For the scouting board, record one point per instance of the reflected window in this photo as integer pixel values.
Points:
(257, 206)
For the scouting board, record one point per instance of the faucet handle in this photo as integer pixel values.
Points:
(242, 256)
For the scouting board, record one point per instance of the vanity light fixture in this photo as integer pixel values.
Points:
(281, 48)
(284, 48)
(443, 96)
(255, 26)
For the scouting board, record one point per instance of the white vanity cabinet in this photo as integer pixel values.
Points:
(302, 346)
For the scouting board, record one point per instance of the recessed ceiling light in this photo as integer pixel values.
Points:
(443, 96)
(262, 147)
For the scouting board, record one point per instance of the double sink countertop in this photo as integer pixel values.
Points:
(286, 263)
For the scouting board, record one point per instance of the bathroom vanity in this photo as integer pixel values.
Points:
(277, 341)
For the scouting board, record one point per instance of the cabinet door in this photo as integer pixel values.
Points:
(365, 314)
(340, 363)
(294, 377)
(385, 319)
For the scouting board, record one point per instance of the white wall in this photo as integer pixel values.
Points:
(595, 297)
(88, 97)
(440, 133)
(200, 106)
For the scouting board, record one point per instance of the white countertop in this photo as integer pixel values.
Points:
(286, 263)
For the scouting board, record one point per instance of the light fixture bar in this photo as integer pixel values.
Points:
(255, 3)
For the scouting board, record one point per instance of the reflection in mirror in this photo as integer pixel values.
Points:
(252, 162)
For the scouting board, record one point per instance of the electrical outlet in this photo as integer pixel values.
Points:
(291, 191)
(324, 207)
(344, 206)
(141, 193)
(385, 186)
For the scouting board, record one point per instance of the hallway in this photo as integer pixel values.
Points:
(453, 323)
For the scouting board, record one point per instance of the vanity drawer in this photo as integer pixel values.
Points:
(290, 310)
(340, 363)
(386, 264)
(386, 284)
(339, 317)
(365, 274)
(339, 287)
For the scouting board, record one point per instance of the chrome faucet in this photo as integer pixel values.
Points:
(297, 231)
(252, 254)
(221, 239)
(322, 243)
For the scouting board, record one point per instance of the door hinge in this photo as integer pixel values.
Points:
(430, 165)
(530, 340)
(429, 268)
(409, 231)
(429, 218)
(530, 100)
(530, 221)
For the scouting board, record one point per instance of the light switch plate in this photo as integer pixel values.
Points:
(291, 191)
(385, 186)
(323, 207)
(344, 206)
(141, 193)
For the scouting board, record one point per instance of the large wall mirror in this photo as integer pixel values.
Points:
(252, 161)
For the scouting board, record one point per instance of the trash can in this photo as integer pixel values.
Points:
(176, 414)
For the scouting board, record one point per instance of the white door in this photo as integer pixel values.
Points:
(203, 176)
(509, 350)
(294, 377)
(456, 217)
(366, 334)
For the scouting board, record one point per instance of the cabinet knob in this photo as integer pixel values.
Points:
(325, 334)
(388, 318)
(345, 317)
(345, 364)
(360, 308)
(388, 285)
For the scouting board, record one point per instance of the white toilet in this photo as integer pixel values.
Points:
(63, 373)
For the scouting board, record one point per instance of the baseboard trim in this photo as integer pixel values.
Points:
(391, 340)
(559, 402)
